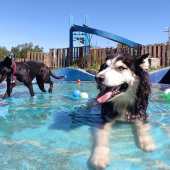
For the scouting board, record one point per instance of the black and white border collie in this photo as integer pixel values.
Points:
(124, 91)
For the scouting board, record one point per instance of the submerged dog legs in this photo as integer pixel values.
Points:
(146, 143)
(101, 154)
(30, 87)
(9, 88)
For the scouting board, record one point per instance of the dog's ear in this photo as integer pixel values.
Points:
(7, 62)
(143, 61)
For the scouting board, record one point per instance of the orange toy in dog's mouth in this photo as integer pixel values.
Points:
(111, 92)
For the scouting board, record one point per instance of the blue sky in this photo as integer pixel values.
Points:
(46, 22)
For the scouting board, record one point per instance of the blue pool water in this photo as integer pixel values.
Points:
(56, 131)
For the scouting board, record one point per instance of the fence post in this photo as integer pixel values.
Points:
(150, 51)
(154, 51)
(168, 54)
(28, 56)
(160, 54)
(143, 50)
(163, 55)
(103, 55)
(88, 56)
(68, 58)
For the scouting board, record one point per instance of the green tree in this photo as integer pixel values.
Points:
(16, 52)
(37, 49)
(23, 53)
(21, 50)
(3, 53)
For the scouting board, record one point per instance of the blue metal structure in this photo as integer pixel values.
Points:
(73, 75)
(83, 38)
(87, 30)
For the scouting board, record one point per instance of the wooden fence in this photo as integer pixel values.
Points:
(83, 56)
(161, 52)
(87, 56)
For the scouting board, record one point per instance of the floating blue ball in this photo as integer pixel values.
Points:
(76, 93)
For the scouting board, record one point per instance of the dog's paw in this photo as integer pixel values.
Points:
(101, 157)
(147, 144)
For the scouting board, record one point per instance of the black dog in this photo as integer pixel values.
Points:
(25, 72)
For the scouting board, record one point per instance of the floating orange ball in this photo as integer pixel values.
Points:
(78, 81)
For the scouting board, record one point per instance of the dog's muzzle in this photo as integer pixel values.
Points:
(99, 78)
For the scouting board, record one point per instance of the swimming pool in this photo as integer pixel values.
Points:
(56, 131)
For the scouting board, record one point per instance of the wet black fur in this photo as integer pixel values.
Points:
(26, 72)
(139, 110)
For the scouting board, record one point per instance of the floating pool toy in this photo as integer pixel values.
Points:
(84, 95)
(166, 94)
(78, 81)
(76, 93)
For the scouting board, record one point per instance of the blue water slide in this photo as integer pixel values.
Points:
(72, 75)
(105, 34)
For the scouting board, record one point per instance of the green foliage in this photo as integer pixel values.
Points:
(21, 50)
(94, 66)
(3, 53)
(155, 68)
(23, 53)
(16, 52)
(74, 66)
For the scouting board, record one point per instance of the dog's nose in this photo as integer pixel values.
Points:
(99, 78)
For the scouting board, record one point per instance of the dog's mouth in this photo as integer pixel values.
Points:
(111, 92)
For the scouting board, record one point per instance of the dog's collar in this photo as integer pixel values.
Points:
(15, 68)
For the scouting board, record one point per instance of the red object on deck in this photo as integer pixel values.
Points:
(78, 81)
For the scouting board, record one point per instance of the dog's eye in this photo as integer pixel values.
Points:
(121, 68)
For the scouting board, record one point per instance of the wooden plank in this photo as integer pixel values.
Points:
(39, 57)
(103, 55)
(154, 51)
(71, 56)
(61, 62)
(68, 57)
(99, 57)
(163, 55)
(143, 50)
(133, 51)
(159, 51)
(31, 56)
(92, 56)
(61, 53)
(146, 49)
(151, 51)
(130, 50)
(89, 58)
(168, 54)
(35, 57)
(44, 58)
(28, 56)
(56, 58)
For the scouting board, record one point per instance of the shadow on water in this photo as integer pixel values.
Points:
(86, 114)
